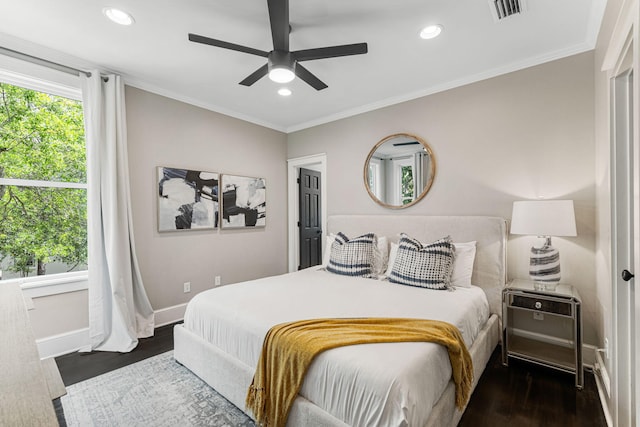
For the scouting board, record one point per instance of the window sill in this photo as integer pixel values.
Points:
(35, 287)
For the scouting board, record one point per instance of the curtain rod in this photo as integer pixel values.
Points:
(45, 62)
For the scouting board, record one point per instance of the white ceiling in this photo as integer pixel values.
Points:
(154, 54)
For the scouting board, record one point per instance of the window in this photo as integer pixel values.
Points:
(406, 189)
(403, 180)
(43, 190)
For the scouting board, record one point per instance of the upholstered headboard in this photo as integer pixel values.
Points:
(489, 270)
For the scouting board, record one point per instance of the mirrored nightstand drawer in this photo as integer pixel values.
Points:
(544, 305)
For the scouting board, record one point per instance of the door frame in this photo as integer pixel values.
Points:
(316, 162)
(625, 359)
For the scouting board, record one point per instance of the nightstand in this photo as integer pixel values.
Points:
(524, 298)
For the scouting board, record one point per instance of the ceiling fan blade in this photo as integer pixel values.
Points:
(330, 52)
(309, 78)
(255, 76)
(226, 45)
(279, 18)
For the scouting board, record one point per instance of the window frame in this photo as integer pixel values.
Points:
(398, 164)
(54, 82)
(375, 177)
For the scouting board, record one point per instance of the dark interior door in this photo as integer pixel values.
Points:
(309, 226)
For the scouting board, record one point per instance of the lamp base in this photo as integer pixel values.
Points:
(544, 286)
(544, 266)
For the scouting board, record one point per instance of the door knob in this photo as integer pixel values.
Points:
(627, 275)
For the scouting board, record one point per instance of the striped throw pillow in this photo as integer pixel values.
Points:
(353, 257)
(427, 266)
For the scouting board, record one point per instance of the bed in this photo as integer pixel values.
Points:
(364, 385)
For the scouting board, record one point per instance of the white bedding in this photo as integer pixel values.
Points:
(364, 385)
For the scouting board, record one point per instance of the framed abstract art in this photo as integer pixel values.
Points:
(187, 199)
(243, 202)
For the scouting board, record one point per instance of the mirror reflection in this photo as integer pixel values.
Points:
(399, 171)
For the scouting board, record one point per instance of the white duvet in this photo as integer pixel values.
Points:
(394, 384)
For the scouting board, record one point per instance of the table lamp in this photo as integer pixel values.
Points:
(544, 218)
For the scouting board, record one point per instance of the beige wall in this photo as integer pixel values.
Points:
(59, 314)
(165, 132)
(523, 135)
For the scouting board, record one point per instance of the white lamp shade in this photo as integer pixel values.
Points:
(544, 218)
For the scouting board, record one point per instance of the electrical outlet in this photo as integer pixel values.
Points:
(538, 316)
(187, 287)
(216, 281)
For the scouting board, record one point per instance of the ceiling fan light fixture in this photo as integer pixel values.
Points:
(282, 64)
(281, 74)
(431, 31)
(118, 16)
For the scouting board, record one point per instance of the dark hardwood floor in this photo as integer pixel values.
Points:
(528, 395)
(522, 395)
(76, 367)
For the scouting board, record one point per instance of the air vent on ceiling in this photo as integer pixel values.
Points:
(505, 8)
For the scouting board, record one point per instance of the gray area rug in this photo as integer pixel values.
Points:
(154, 392)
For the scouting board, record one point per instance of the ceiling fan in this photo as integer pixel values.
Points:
(283, 65)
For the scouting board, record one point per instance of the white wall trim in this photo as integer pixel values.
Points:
(316, 162)
(604, 390)
(68, 342)
(603, 402)
(620, 36)
(168, 315)
(55, 287)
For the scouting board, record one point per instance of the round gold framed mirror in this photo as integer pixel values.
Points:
(399, 171)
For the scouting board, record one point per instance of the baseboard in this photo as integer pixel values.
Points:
(57, 345)
(68, 342)
(168, 315)
(603, 383)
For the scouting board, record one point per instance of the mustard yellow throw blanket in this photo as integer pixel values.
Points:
(289, 348)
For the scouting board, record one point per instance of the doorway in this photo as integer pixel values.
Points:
(625, 229)
(317, 162)
(310, 218)
(622, 245)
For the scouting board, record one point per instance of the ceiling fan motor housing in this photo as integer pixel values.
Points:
(281, 59)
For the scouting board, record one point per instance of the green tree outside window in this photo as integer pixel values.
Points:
(43, 217)
(406, 190)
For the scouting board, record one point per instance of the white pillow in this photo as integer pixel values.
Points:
(462, 263)
(393, 252)
(327, 249)
(381, 256)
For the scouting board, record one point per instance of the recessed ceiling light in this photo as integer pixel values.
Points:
(284, 91)
(118, 16)
(431, 31)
